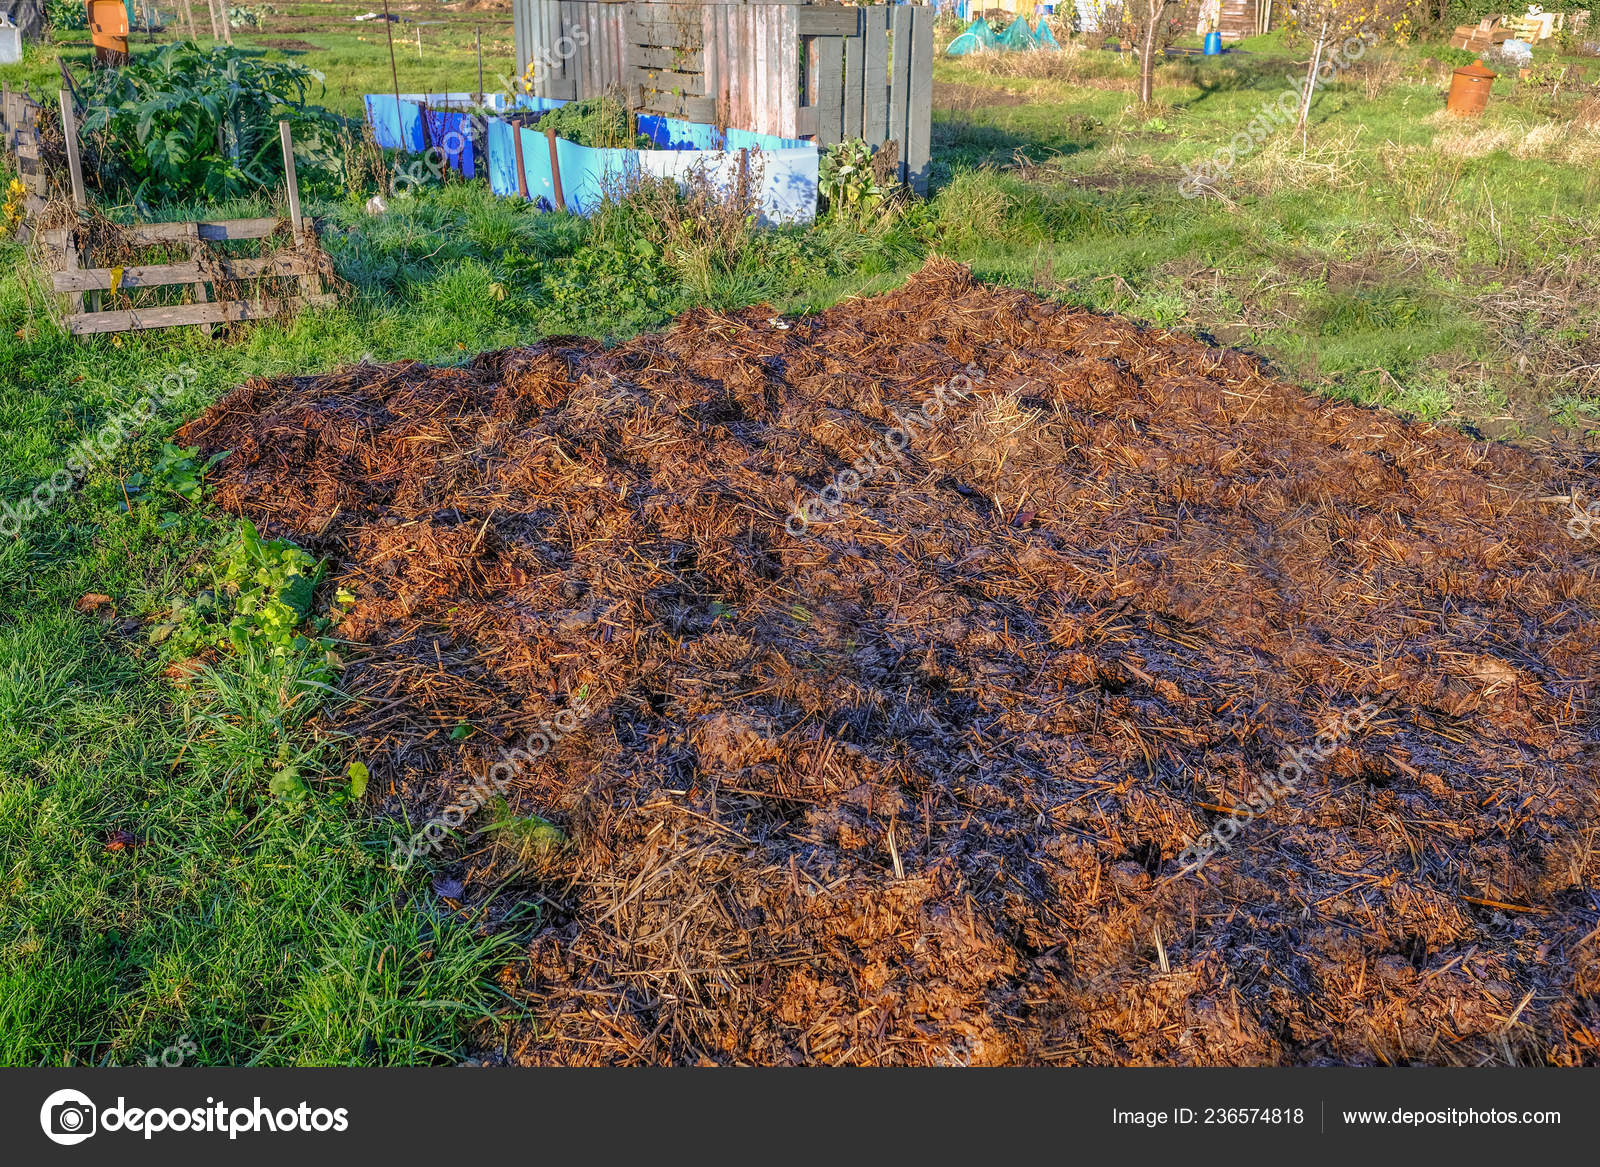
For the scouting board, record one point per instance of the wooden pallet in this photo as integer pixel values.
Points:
(86, 288)
(19, 138)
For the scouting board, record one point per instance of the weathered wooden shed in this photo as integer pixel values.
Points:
(824, 72)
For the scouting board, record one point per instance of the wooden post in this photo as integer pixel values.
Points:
(69, 127)
(555, 170)
(419, 42)
(188, 19)
(290, 182)
(197, 253)
(522, 169)
(211, 11)
(311, 281)
(477, 36)
(227, 28)
(394, 76)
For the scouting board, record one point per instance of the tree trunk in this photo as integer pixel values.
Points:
(1311, 83)
(1147, 51)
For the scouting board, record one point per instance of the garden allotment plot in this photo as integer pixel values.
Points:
(909, 782)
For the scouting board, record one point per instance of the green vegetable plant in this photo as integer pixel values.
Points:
(186, 122)
(609, 276)
(260, 600)
(600, 122)
(846, 180)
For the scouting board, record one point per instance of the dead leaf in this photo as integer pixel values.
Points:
(120, 841)
(90, 601)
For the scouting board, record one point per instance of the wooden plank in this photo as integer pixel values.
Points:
(694, 109)
(98, 279)
(291, 184)
(919, 111)
(875, 82)
(899, 82)
(853, 47)
(789, 50)
(548, 24)
(739, 66)
(708, 53)
(537, 45)
(671, 34)
(519, 34)
(572, 64)
(619, 41)
(814, 20)
(830, 90)
(727, 63)
(572, 70)
(69, 260)
(665, 81)
(69, 126)
(765, 63)
(716, 64)
(594, 73)
(808, 64)
(805, 125)
(222, 312)
(144, 234)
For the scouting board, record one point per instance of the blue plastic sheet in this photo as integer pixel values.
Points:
(395, 125)
(787, 167)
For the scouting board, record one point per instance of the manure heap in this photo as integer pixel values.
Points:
(912, 782)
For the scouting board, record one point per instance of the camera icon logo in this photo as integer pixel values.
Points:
(68, 1117)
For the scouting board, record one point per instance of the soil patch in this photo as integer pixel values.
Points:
(912, 785)
(953, 95)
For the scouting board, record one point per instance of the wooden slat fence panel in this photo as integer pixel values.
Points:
(875, 82)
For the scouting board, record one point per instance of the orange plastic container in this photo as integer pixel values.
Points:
(1469, 90)
(108, 29)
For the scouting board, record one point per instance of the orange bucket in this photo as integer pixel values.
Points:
(1469, 90)
(108, 28)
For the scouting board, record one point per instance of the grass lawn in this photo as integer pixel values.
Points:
(153, 888)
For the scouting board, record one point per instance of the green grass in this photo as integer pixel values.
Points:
(1374, 264)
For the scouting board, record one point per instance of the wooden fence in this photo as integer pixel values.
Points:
(823, 72)
(85, 290)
